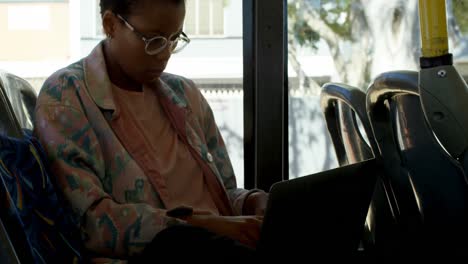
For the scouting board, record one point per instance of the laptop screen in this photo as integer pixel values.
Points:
(319, 214)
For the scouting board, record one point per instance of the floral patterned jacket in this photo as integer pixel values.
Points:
(106, 173)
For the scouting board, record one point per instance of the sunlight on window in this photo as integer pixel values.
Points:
(38, 17)
(350, 42)
(205, 18)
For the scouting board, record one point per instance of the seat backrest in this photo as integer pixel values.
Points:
(427, 189)
(342, 105)
(9, 125)
(12, 239)
(21, 96)
(36, 219)
(7, 251)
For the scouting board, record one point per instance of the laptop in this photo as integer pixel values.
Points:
(320, 215)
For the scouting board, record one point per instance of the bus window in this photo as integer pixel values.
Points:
(350, 42)
(55, 35)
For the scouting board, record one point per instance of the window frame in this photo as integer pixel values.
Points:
(211, 34)
(265, 93)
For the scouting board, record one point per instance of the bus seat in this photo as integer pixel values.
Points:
(7, 251)
(342, 105)
(427, 188)
(9, 125)
(22, 98)
(35, 216)
(10, 128)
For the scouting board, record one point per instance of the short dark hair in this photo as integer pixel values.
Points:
(123, 7)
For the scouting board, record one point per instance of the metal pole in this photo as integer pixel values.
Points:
(433, 20)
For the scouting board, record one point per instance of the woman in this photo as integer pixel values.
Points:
(136, 151)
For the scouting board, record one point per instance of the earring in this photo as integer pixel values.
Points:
(109, 36)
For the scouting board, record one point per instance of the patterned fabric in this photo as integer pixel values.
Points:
(183, 176)
(107, 173)
(49, 233)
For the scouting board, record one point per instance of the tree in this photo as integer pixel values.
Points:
(365, 37)
(460, 9)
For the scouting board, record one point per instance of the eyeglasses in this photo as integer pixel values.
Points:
(155, 45)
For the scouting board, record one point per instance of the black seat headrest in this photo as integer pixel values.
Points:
(17, 103)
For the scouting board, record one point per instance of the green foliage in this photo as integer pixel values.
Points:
(303, 34)
(334, 13)
(460, 10)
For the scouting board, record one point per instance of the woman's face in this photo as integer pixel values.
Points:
(150, 18)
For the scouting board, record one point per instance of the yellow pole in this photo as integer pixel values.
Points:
(433, 20)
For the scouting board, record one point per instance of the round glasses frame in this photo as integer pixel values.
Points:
(176, 45)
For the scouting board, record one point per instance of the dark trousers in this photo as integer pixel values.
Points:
(181, 243)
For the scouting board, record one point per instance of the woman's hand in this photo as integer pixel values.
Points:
(255, 204)
(245, 229)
